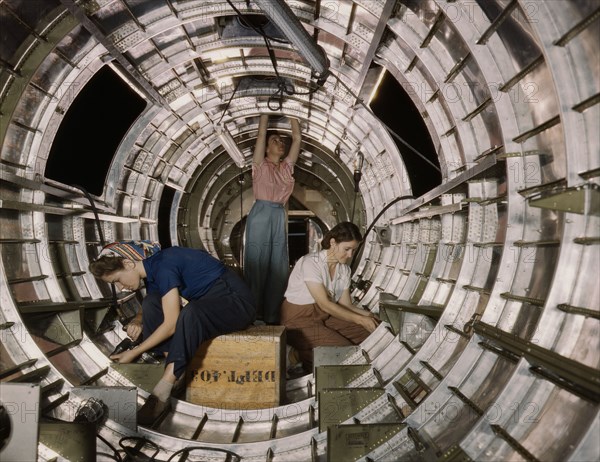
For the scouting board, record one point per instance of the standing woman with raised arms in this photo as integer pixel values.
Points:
(266, 259)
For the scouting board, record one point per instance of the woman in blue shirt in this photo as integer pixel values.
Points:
(190, 297)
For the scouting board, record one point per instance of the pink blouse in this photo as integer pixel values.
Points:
(272, 182)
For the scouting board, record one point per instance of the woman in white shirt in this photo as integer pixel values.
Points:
(317, 309)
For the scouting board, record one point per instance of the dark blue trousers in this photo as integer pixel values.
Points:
(228, 306)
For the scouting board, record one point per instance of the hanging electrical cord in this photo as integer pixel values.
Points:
(229, 102)
(258, 30)
(94, 211)
(281, 83)
(114, 302)
(370, 227)
(358, 165)
(282, 87)
(241, 182)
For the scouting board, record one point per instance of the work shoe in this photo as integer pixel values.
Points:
(294, 367)
(152, 409)
(292, 356)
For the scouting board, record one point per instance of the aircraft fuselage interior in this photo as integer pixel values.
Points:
(462, 137)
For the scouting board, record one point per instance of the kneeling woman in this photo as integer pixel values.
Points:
(190, 297)
(317, 310)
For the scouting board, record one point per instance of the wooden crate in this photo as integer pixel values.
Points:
(240, 370)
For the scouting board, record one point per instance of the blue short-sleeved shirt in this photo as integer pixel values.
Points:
(192, 271)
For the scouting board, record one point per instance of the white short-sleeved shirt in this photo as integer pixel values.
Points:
(313, 268)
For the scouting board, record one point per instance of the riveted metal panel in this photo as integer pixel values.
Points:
(338, 405)
(21, 405)
(144, 376)
(338, 376)
(352, 441)
(74, 441)
(121, 402)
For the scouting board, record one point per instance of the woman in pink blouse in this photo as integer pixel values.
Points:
(266, 260)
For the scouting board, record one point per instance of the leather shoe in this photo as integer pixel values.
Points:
(152, 409)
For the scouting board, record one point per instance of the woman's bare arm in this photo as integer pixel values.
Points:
(171, 308)
(319, 293)
(261, 140)
(294, 152)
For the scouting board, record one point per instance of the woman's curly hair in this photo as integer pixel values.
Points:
(106, 265)
(342, 232)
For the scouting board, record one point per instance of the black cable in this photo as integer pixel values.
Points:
(370, 227)
(282, 88)
(280, 81)
(115, 303)
(357, 177)
(395, 135)
(115, 451)
(204, 448)
(241, 182)
(110, 456)
(229, 102)
(94, 211)
(258, 30)
(141, 441)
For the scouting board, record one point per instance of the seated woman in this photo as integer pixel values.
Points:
(190, 297)
(317, 309)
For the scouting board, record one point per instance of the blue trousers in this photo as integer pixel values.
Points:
(266, 260)
(228, 306)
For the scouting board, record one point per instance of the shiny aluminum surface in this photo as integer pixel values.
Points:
(509, 94)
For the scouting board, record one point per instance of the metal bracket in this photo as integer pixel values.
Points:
(583, 199)
(383, 234)
(574, 376)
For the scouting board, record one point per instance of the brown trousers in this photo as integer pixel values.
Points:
(308, 326)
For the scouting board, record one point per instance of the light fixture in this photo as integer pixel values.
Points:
(280, 14)
(126, 79)
(376, 86)
(229, 144)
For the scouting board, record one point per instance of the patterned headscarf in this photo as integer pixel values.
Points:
(132, 250)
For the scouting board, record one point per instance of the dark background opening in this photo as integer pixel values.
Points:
(91, 131)
(395, 108)
(164, 215)
(297, 239)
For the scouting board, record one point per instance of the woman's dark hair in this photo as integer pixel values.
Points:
(342, 232)
(272, 132)
(106, 265)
